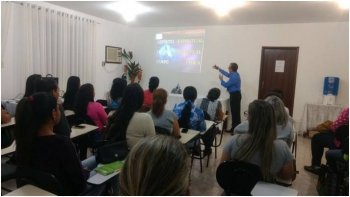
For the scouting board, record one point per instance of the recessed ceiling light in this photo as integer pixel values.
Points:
(129, 9)
(344, 4)
(222, 7)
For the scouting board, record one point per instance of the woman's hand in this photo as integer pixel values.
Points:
(221, 77)
(216, 67)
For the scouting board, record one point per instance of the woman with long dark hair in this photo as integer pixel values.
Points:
(30, 84)
(37, 146)
(152, 85)
(189, 116)
(86, 106)
(116, 93)
(260, 146)
(50, 86)
(73, 85)
(127, 123)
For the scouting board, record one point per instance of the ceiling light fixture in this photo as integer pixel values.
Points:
(129, 9)
(344, 4)
(222, 7)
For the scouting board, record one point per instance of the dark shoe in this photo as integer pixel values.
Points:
(228, 130)
(313, 169)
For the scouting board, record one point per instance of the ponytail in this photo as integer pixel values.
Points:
(184, 120)
(31, 114)
(157, 107)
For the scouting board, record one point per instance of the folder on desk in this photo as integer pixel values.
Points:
(109, 168)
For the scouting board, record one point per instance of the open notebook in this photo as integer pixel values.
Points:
(109, 168)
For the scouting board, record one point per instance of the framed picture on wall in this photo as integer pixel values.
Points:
(113, 55)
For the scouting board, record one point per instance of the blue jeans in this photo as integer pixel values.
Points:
(333, 156)
(318, 143)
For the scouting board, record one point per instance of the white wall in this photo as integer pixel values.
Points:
(323, 51)
(107, 33)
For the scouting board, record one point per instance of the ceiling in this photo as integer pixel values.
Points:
(192, 13)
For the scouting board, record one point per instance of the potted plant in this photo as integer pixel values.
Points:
(131, 68)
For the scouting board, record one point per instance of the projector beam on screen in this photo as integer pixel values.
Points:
(180, 51)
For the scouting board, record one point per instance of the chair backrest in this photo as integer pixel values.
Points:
(206, 115)
(84, 119)
(162, 131)
(237, 177)
(102, 102)
(27, 175)
(145, 108)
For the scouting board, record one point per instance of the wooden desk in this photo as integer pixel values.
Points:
(315, 114)
(269, 189)
(186, 137)
(76, 132)
(11, 123)
(29, 190)
(9, 150)
(68, 112)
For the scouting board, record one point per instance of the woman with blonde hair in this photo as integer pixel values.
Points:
(284, 128)
(260, 146)
(156, 166)
(162, 117)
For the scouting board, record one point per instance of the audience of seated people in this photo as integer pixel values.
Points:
(86, 108)
(259, 145)
(39, 147)
(156, 166)
(189, 116)
(211, 107)
(30, 84)
(147, 101)
(285, 130)
(326, 139)
(127, 123)
(70, 96)
(116, 94)
(162, 117)
(50, 86)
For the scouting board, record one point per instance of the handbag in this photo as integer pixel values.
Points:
(112, 151)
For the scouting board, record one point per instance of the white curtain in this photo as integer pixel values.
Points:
(6, 8)
(54, 42)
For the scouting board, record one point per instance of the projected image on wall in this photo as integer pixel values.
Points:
(180, 51)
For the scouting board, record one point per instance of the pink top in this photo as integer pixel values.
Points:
(98, 114)
(148, 97)
(343, 119)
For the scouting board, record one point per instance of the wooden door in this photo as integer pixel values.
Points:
(278, 70)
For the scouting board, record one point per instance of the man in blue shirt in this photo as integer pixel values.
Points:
(233, 86)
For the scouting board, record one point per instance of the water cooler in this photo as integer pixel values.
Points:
(330, 90)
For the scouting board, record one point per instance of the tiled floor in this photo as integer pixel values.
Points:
(204, 184)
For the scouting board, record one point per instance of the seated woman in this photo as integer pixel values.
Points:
(321, 140)
(86, 106)
(116, 93)
(162, 117)
(339, 155)
(50, 86)
(213, 108)
(259, 145)
(73, 85)
(189, 116)
(152, 85)
(37, 146)
(30, 84)
(162, 169)
(285, 130)
(127, 123)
